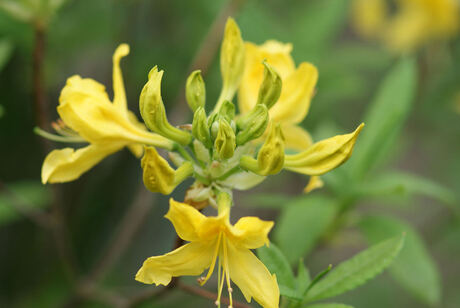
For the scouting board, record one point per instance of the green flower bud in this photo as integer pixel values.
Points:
(225, 141)
(153, 110)
(158, 175)
(200, 127)
(252, 125)
(227, 110)
(270, 89)
(195, 91)
(270, 159)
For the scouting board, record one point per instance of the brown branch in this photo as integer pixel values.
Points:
(205, 55)
(58, 229)
(130, 224)
(210, 295)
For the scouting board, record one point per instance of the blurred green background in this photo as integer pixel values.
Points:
(423, 152)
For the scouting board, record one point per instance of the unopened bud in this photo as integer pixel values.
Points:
(153, 110)
(158, 175)
(227, 110)
(270, 89)
(270, 159)
(200, 127)
(225, 141)
(252, 125)
(195, 91)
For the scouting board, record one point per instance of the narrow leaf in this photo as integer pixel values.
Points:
(385, 118)
(357, 270)
(303, 278)
(414, 268)
(277, 264)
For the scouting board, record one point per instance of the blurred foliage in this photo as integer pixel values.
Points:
(404, 170)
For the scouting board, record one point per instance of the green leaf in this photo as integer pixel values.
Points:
(406, 185)
(29, 193)
(414, 269)
(328, 305)
(6, 50)
(2, 111)
(301, 224)
(385, 118)
(277, 263)
(357, 270)
(303, 278)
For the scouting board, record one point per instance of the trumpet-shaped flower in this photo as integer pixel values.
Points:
(214, 241)
(85, 107)
(413, 23)
(298, 85)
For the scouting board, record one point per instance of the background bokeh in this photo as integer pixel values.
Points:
(81, 39)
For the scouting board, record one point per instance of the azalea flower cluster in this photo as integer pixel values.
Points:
(411, 24)
(221, 150)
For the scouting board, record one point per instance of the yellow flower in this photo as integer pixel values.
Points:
(214, 240)
(296, 93)
(298, 85)
(413, 23)
(85, 107)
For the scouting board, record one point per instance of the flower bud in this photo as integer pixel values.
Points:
(227, 110)
(195, 91)
(270, 89)
(200, 127)
(252, 125)
(153, 110)
(225, 141)
(159, 176)
(270, 159)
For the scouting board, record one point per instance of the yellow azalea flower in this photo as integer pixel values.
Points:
(84, 106)
(298, 85)
(212, 241)
(296, 93)
(413, 23)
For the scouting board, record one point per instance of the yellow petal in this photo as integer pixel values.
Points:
(369, 16)
(251, 232)
(277, 55)
(96, 119)
(136, 149)
(296, 94)
(252, 277)
(323, 156)
(119, 94)
(66, 165)
(189, 260)
(186, 220)
(158, 176)
(314, 183)
(296, 138)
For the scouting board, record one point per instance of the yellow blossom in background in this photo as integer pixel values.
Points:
(298, 86)
(84, 107)
(214, 241)
(410, 25)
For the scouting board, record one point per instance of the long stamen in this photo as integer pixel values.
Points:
(213, 264)
(221, 284)
(227, 273)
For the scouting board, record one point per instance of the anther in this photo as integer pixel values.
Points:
(217, 303)
(201, 279)
(230, 290)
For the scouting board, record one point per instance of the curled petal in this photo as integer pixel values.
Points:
(97, 120)
(189, 260)
(251, 232)
(252, 277)
(296, 94)
(323, 156)
(66, 165)
(186, 220)
(119, 95)
(314, 183)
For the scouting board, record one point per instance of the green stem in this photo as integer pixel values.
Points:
(228, 173)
